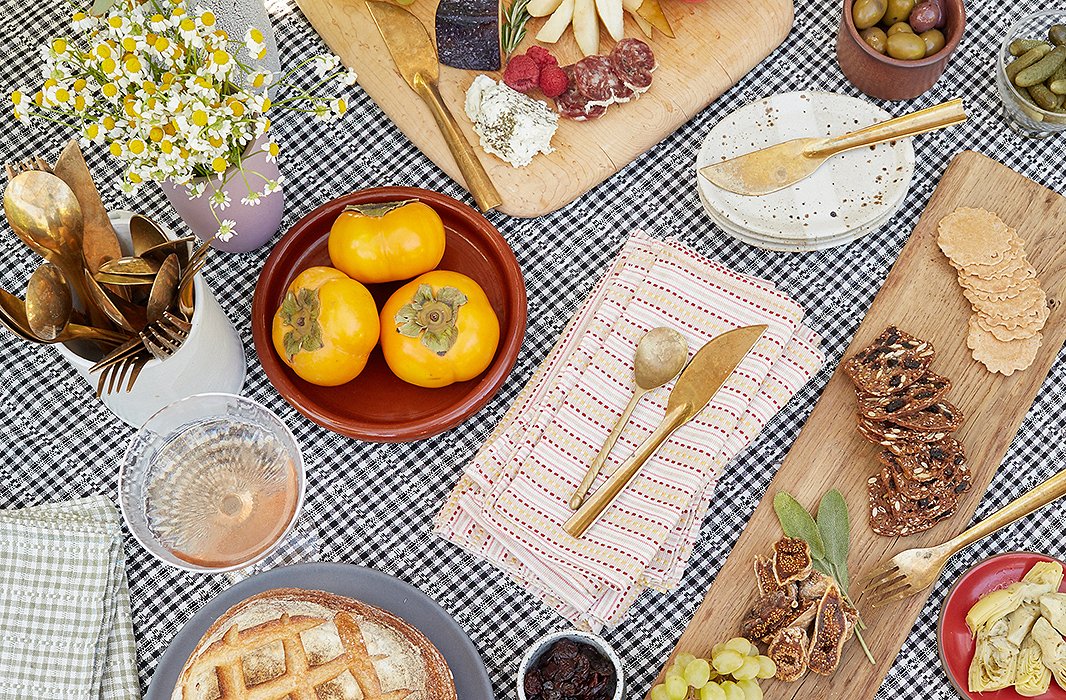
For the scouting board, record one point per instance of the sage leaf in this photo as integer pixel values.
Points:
(797, 522)
(834, 528)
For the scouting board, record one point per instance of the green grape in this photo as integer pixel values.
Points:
(676, 687)
(748, 670)
(727, 661)
(659, 693)
(740, 645)
(712, 691)
(767, 667)
(676, 669)
(732, 691)
(751, 689)
(683, 660)
(717, 649)
(697, 673)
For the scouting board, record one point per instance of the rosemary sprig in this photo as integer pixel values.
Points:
(513, 29)
(828, 540)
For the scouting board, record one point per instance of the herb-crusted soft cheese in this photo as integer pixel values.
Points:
(509, 124)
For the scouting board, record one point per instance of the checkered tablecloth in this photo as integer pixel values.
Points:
(59, 442)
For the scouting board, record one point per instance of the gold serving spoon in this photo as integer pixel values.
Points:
(48, 302)
(45, 214)
(776, 167)
(661, 355)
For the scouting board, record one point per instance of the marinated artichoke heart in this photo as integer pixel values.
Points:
(1052, 649)
(1033, 677)
(1042, 579)
(1053, 609)
(995, 660)
(1020, 623)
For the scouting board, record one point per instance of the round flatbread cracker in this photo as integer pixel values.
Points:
(974, 237)
(1030, 298)
(999, 285)
(1005, 333)
(999, 356)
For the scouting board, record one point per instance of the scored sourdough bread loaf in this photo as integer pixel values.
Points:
(313, 645)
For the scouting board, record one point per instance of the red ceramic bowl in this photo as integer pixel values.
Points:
(953, 636)
(888, 78)
(377, 405)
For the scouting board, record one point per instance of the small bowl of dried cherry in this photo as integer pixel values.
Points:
(570, 665)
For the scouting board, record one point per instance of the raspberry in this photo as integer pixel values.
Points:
(522, 74)
(541, 56)
(553, 81)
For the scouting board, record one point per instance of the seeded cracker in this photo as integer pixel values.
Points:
(974, 237)
(999, 356)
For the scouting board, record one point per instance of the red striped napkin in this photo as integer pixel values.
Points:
(511, 502)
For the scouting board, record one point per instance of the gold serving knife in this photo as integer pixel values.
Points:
(697, 385)
(416, 59)
(776, 167)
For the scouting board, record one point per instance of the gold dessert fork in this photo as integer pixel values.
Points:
(914, 570)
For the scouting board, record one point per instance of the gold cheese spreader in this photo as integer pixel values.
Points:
(776, 167)
(699, 382)
(416, 58)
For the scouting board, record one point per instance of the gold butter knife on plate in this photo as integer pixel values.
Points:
(776, 167)
(415, 57)
(706, 373)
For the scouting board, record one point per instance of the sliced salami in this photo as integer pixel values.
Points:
(633, 61)
(572, 104)
(597, 81)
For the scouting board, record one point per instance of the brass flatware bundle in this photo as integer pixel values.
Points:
(699, 382)
(139, 305)
(776, 167)
(914, 570)
(661, 355)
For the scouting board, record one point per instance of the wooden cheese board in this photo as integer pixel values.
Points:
(922, 297)
(717, 42)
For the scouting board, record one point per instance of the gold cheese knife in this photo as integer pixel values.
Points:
(697, 385)
(416, 58)
(776, 167)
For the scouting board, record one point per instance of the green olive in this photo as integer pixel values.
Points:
(867, 13)
(875, 37)
(900, 28)
(906, 46)
(898, 11)
(1057, 34)
(934, 41)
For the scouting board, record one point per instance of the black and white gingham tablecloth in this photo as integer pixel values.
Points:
(371, 504)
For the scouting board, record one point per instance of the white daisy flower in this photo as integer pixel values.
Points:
(348, 77)
(220, 199)
(251, 200)
(325, 64)
(227, 230)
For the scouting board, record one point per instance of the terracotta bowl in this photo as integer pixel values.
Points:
(888, 78)
(376, 405)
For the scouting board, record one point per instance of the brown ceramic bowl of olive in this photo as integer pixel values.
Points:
(881, 75)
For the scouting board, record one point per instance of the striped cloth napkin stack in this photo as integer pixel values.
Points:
(511, 501)
(66, 631)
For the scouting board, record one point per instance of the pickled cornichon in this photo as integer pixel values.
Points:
(1038, 73)
(1042, 69)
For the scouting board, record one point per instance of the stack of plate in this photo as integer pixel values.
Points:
(852, 194)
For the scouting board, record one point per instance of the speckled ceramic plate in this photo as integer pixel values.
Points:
(852, 194)
(800, 245)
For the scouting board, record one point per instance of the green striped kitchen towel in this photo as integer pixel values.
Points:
(66, 632)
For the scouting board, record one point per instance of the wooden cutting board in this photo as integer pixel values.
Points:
(920, 296)
(718, 41)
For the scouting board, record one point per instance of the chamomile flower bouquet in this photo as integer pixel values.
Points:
(179, 101)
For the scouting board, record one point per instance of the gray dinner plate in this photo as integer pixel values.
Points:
(366, 585)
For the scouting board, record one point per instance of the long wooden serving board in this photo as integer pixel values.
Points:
(922, 297)
(717, 42)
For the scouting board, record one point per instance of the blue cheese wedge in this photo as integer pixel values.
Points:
(510, 125)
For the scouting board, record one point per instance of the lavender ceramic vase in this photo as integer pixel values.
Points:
(256, 223)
